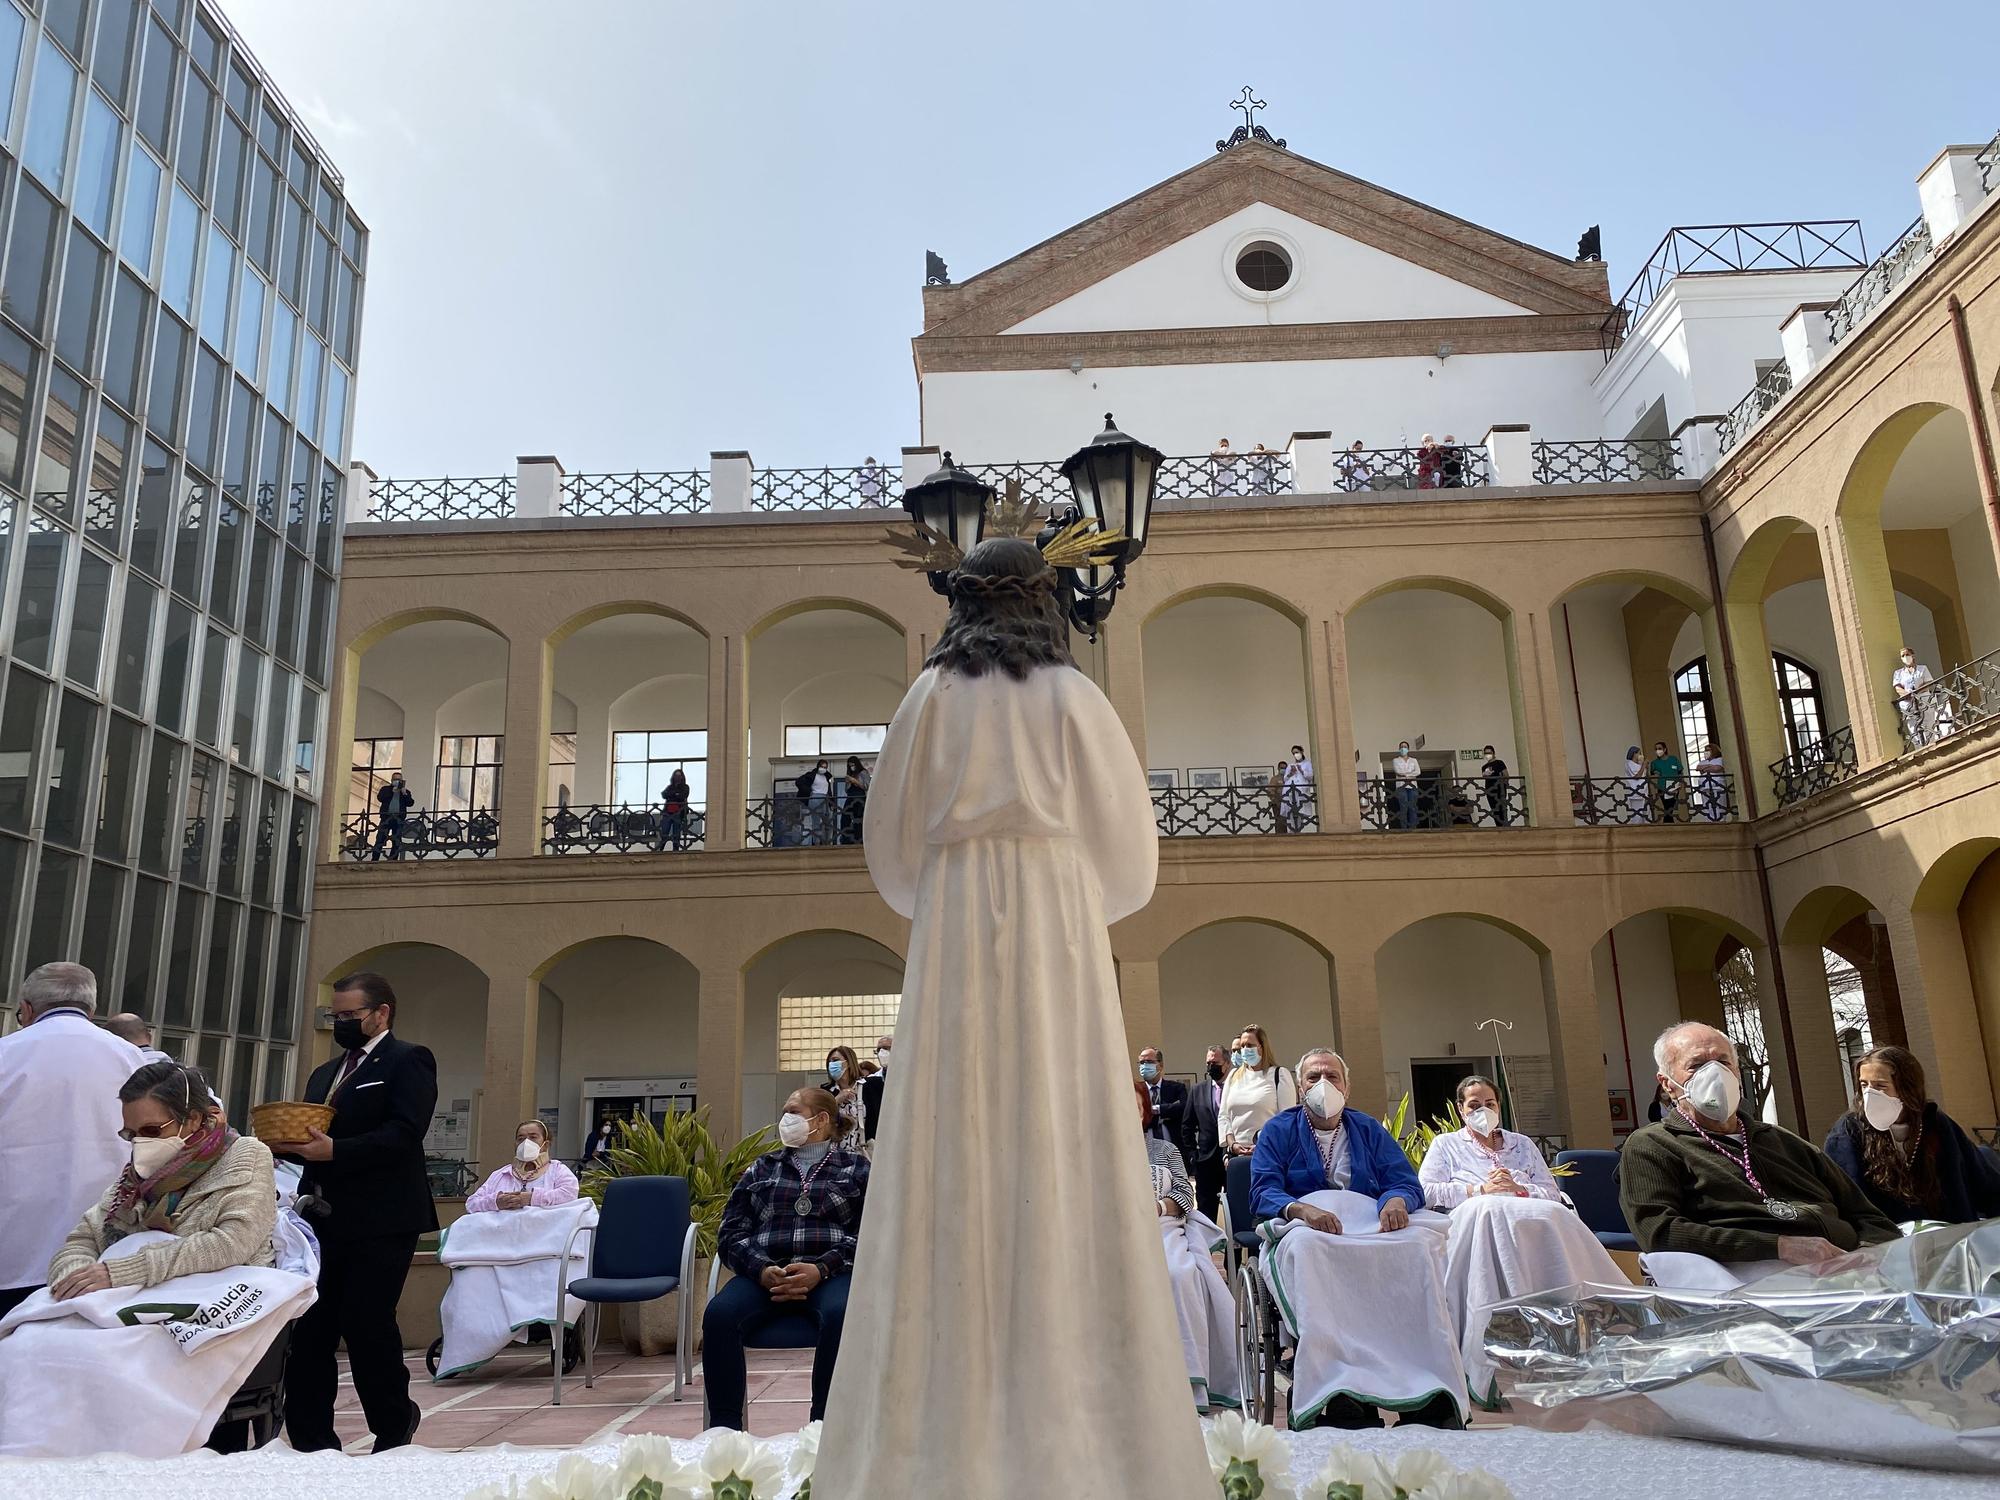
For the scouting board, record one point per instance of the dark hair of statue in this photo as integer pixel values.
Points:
(1004, 613)
(1885, 1162)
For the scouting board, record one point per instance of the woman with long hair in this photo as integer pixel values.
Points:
(843, 1081)
(1010, 821)
(1256, 1089)
(854, 801)
(1910, 1157)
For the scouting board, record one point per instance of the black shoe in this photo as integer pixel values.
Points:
(1440, 1411)
(383, 1445)
(1349, 1415)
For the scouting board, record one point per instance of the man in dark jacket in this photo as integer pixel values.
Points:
(368, 1197)
(872, 1087)
(393, 802)
(1201, 1134)
(815, 805)
(1169, 1096)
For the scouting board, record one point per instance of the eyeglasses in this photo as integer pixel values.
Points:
(352, 1015)
(150, 1132)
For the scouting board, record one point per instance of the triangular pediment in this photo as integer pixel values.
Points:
(1423, 263)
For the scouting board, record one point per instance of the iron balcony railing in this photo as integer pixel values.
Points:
(1709, 249)
(864, 487)
(1807, 772)
(794, 822)
(1889, 271)
(1233, 811)
(1257, 472)
(1453, 466)
(1428, 802)
(443, 499)
(1769, 390)
(603, 829)
(1988, 163)
(1958, 701)
(470, 834)
(1607, 461)
(1038, 481)
(1705, 797)
(670, 492)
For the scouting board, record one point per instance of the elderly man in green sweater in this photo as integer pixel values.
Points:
(1707, 1180)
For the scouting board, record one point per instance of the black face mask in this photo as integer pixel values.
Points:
(347, 1034)
(1215, 1071)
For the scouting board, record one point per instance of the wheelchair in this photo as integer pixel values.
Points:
(1258, 1341)
(538, 1333)
(256, 1413)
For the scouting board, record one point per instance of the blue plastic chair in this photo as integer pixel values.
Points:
(641, 1221)
(1594, 1192)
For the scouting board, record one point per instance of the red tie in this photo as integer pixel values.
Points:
(353, 1062)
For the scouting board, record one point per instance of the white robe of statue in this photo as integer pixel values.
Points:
(1010, 1329)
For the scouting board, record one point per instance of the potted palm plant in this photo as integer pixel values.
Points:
(680, 1146)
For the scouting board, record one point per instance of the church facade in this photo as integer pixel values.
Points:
(1437, 509)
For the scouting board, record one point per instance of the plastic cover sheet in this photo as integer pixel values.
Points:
(1889, 1355)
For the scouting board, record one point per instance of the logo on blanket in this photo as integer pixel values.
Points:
(194, 1323)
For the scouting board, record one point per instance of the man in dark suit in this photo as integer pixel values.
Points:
(1169, 1095)
(367, 1196)
(1201, 1137)
(872, 1086)
(393, 801)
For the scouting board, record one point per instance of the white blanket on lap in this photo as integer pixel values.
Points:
(140, 1370)
(1513, 1247)
(1207, 1311)
(1368, 1309)
(503, 1277)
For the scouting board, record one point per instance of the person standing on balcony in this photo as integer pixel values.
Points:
(1406, 768)
(1355, 471)
(1451, 464)
(1495, 772)
(1275, 790)
(1298, 774)
(1919, 716)
(394, 802)
(1430, 463)
(673, 812)
(1669, 777)
(1263, 471)
(815, 803)
(1637, 803)
(1223, 463)
(854, 801)
(1711, 787)
(871, 481)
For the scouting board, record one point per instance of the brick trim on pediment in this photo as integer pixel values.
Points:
(1128, 233)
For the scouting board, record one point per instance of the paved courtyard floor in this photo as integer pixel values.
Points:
(509, 1401)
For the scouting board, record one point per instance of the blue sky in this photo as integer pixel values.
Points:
(628, 232)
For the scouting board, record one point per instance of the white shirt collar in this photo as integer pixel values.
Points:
(369, 1045)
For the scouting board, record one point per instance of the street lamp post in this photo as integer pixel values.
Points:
(1113, 478)
(952, 504)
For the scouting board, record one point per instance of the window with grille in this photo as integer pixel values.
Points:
(643, 761)
(810, 1026)
(1263, 267)
(811, 741)
(369, 773)
(1799, 703)
(562, 769)
(1696, 704)
(468, 772)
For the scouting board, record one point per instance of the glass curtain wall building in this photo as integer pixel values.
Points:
(180, 300)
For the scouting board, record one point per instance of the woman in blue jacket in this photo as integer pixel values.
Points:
(1910, 1157)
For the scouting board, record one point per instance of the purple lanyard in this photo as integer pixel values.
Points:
(1742, 1160)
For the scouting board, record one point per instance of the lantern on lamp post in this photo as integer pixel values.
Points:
(952, 504)
(1112, 478)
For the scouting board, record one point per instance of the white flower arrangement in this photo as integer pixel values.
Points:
(1420, 1474)
(1247, 1459)
(732, 1466)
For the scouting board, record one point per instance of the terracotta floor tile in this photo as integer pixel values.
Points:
(459, 1429)
(769, 1418)
(794, 1385)
(680, 1420)
(511, 1393)
(554, 1426)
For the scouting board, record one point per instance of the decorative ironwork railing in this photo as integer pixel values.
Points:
(1205, 474)
(1607, 461)
(1988, 163)
(794, 822)
(1038, 481)
(1769, 390)
(1706, 249)
(1825, 763)
(1444, 802)
(859, 488)
(1705, 797)
(599, 829)
(1958, 701)
(437, 499)
(675, 492)
(474, 834)
(1454, 466)
(1889, 271)
(1233, 811)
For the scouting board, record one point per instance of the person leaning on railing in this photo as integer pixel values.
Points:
(1668, 778)
(1711, 786)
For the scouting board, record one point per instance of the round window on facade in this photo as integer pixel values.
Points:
(1263, 266)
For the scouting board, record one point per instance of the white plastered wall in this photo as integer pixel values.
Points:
(1216, 981)
(1978, 584)
(1645, 974)
(446, 677)
(827, 666)
(1225, 686)
(628, 1009)
(441, 1004)
(1601, 677)
(628, 672)
(1421, 661)
(1440, 978)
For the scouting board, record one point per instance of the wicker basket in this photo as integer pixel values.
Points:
(287, 1120)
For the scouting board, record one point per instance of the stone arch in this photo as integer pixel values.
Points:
(600, 657)
(613, 608)
(1954, 932)
(1808, 632)
(1250, 593)
(1206, 967)
(1492, 603)
(836, 602)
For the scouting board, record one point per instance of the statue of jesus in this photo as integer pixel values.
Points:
(1011, 1329)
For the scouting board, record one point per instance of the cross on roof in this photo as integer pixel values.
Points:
(1249, 130)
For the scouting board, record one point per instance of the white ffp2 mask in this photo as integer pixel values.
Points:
(1882, 1108)
(793, 1130)
(1326, 1101)
(151, 1153)
(1483, 1120)
(1714, 1090)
